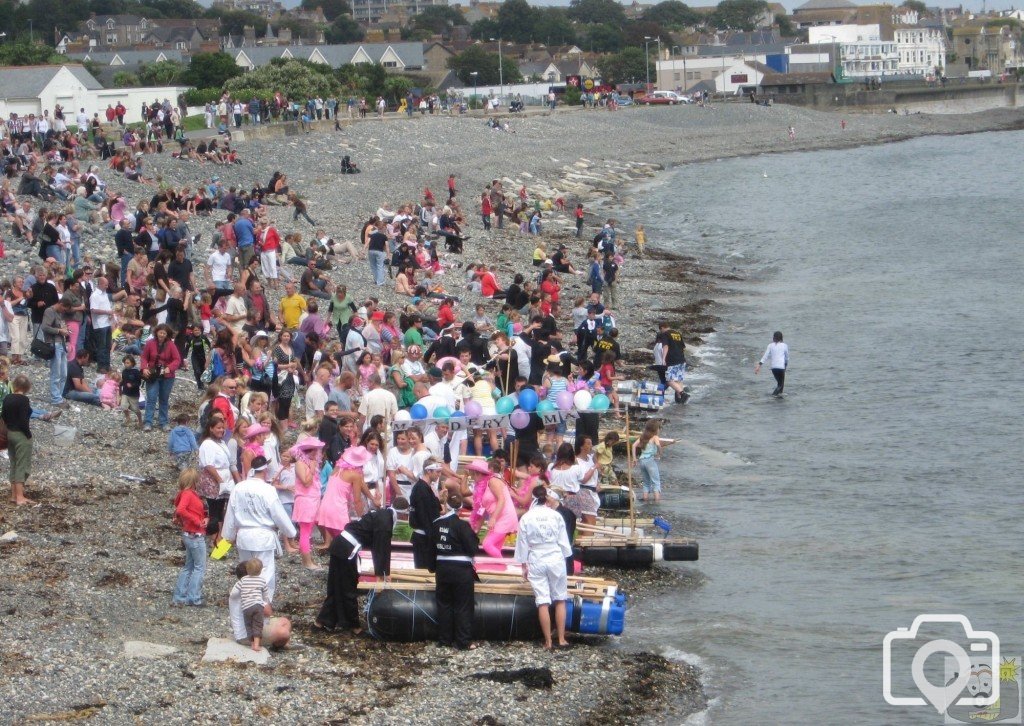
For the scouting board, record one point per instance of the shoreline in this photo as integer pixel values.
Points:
(122, 570)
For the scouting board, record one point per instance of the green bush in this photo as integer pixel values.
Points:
(202, 96)
(572, 96)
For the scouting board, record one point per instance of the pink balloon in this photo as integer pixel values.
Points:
(564, 400)
(473, 409)
(519, 419)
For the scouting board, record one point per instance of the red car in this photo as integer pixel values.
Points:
(665, 98)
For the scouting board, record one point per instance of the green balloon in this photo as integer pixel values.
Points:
(545, 406)
(505, 405)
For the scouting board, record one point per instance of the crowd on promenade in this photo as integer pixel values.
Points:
(313, 399)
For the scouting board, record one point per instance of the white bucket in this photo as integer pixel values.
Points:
(64, 434)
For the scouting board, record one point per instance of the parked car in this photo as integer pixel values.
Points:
(665, 98)
(622, 100)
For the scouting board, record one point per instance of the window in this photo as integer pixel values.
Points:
(111, 38)
(390, 64)
(675, 76)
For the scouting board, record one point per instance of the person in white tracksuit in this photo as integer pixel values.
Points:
(777, 357)
(541, 547)
(254, 517)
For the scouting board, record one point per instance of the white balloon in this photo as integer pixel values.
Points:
(403, 415)
(582, 400)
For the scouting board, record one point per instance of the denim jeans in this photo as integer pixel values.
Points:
(125, 259)
(90, 397)
(651, 475)
(189, 589)
(101, 347)
(377, 261)
(160, 388)
(58, 373)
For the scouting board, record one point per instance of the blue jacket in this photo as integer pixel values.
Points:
(182, 440)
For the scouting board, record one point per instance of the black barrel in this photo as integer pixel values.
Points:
(625, 556)
(410, 615)
(614, 498)
(681, 552)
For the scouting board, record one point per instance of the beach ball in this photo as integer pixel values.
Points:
(547, 407)
(473, 409)
(564, 400)
(443, 413)
(403, 415)
(418, 411)
(505, 405)
(600, 402)
(528, 399)
(519, 419)
(582, 400)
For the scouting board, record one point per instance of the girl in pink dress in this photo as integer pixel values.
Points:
(493, 500)
(346, 479)
(307, 494)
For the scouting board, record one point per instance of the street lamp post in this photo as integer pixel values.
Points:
(647, 43)
(501, 73)
(474, 74)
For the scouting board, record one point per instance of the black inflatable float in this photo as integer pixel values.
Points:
(637, 555)
(410, 615)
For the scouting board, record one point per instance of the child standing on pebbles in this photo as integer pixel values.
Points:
(190, 515)
(130, 389)
(252, 589)
(182, 445)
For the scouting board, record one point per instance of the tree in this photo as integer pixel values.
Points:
(232, 22)
(916, 5)
(162, 73)
(737, 14)
(211, 70)
(475, 58)
(636, 33)
(297, 80)
(332, 8)
(437, 20)
(672, 14)
(515, 21)
(124, 79)
(597, 12)
(175, 8)
(628, 65)
(553, 27)
(395, 88)
(786, 27)
(606, 38)
(483, 29)
(24, 53)
(344, 30)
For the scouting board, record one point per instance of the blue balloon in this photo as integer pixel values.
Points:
(418, 411)
(459, 414)
(545, 406)
(528, 399)
(505, 405)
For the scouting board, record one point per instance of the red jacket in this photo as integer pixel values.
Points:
(169, 358)
(222, 404)
(188, 507)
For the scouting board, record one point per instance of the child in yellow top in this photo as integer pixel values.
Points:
(539, 255)
(603, 456)
(641, 238)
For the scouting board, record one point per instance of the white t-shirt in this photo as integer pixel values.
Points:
(215, 454)
(396, 459)
(100, 305)
(316, 399)
(219, 263)
(236, 306)
(413, 368)
(379, 402)
(287, 479)
(777, 356)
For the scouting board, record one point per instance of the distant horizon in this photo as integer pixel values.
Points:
(973, 5)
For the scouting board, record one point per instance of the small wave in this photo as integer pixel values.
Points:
(682, 656)
(700, 718)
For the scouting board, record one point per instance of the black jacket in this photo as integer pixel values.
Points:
(424, 506)
(373, 531)
(450, 536)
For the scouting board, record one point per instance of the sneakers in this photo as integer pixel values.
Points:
(147, 428)
(51, 416)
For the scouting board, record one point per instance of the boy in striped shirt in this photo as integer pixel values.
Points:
(252, 589)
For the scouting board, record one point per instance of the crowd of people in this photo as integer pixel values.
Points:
(323, 413)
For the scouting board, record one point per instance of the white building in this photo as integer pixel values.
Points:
(33, 89)
(922, 48)
(862, 51)
(727, 74)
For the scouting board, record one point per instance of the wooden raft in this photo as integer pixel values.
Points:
(496, 583)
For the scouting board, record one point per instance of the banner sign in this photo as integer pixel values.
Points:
(488, 422)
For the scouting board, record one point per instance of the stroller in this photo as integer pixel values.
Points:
(348, 166)
(515, 106)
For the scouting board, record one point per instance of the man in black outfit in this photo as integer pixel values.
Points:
(453, 547)
(373, 530)
(330, 433)
(424, 508)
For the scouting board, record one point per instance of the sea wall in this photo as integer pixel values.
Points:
(955, 97)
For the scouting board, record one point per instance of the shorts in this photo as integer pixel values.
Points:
(548, 581)
(129, 404)
(676, 373)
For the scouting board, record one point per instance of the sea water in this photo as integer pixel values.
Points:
(887, 482)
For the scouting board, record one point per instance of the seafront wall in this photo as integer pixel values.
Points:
(955, 97)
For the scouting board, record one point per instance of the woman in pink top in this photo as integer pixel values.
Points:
(255, 435)
(345, 481)
(307, 493)
(492, 498)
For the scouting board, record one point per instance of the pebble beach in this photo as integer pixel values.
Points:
(93, 565)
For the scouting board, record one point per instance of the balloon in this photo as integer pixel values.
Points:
(582, 400)
(546, 406)
(581, 385)
(418, 411)
(473, 409)
(600, 402)
(403, 415)
(519, 419)
(528, 399)
(505, 405)
(443, 413)
(564, 400)
(459, 414)
(495, 393)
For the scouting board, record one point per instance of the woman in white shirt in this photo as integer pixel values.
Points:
(777, 358)
(566, 474)
(374, 470)
(216, 479)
